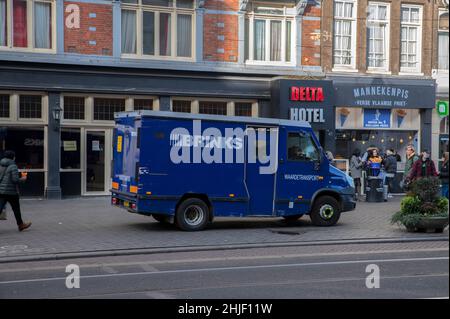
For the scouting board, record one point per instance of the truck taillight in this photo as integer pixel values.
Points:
(133, 206)
(114, 201)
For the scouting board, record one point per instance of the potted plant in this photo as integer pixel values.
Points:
(423, 209)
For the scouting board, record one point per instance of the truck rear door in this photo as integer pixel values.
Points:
(126, 155)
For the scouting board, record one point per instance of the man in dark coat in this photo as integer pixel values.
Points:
(9, 180)
(424, 167)
(390, 168)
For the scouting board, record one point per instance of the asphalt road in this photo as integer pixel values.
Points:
(409, 270)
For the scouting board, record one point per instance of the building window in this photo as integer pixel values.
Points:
(411, 34)
(378, 36)
(213, 107)
(70, 148)
(242, 109)
(73, 108)
(3, 25)
(105, 108)
(181, 106)
(344, 46)
(269, 35)
(443, 48)
(4, 106)
(158, 28)
(31, 25)
(30, 107)
(27, 143)
(143, 104)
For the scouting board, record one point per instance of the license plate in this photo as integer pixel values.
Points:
(126, 204)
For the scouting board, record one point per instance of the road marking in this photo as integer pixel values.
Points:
(225, 258)
(348, 262)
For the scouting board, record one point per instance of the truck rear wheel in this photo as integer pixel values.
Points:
(325, 212)
(192, 215)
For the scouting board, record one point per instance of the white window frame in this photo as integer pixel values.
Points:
(268, 18)
(195, 103)
(386, 68)
(30, 28)
(418, 68)
(174, 11)
(441, 31)
(353, 20)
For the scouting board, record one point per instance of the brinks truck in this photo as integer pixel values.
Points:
(189, 168)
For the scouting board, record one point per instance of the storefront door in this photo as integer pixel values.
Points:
(97, 158)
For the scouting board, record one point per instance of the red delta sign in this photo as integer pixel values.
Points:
(307, 94)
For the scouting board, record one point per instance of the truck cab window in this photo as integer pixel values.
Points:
(301, 147)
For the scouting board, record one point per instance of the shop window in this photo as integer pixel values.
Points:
(31, 24)
(4, 106)
(164, 30)
(378, 36)
(105, 108)
(70, 148)
(268, 35)
(301, 147)
(443, 128)
(211, 107)
(181, 106)
(411, 34)
(74, 108)
(30, 107)
(143, 104)
(344, 41)
(243, 109)
(27, 143)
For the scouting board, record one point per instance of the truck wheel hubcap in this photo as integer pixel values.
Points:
(193, 215)
(326, 211)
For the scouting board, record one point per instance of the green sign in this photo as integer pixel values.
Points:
(442, 108)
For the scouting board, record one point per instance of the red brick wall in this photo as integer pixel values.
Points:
(78, 40)
(225, 5)
(211, 32)
(310, 37)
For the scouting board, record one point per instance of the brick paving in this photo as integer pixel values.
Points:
(91, 224)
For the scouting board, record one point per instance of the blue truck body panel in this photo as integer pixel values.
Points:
(147, 180)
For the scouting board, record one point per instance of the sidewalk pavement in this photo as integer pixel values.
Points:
(86, 225)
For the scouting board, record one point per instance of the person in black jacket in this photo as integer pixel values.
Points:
(443, 175)
(390, 168)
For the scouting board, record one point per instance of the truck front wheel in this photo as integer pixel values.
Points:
(192, 215)
(325, 212)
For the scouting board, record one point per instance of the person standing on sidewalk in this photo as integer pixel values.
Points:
(390, 168)
(356, 166)
(443, 175)
(9, 180)
(411, 158)
(424, 167)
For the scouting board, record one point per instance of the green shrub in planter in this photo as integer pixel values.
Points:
(423, 202)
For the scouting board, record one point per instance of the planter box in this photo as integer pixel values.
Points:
(426, 224)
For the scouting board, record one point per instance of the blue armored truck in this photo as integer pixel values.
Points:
(187, 169)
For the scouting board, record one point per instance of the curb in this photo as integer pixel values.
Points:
(158, 250)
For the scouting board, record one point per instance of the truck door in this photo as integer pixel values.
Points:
(302, 170)
(260, 186)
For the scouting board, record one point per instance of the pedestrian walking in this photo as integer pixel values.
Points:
(390, 169)
(424, 167)
(356, 166)
(9, 180)
(443, 175)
